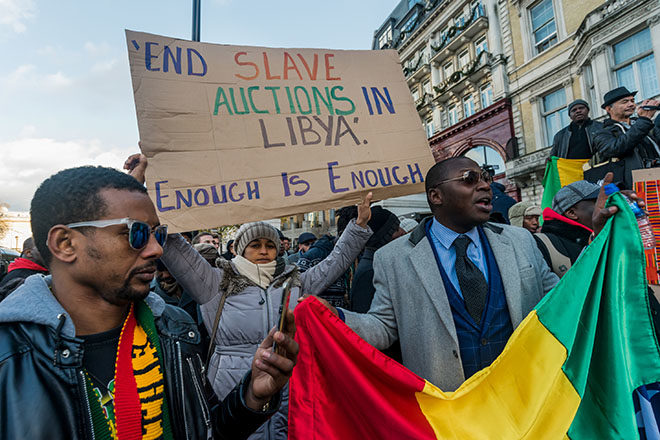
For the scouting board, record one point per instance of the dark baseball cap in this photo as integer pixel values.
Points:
(571, 194)
(305, 237)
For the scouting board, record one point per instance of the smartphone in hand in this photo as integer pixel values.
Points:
(284, 305)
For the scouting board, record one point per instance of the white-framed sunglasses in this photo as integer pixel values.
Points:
(138, 232)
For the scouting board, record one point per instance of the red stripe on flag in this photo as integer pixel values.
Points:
(343, 388)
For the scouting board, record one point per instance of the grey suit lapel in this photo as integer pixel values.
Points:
(509, 272)
(423, 260)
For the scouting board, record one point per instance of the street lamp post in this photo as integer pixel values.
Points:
(196, 19)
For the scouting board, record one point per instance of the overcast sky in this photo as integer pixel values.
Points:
(65, 88)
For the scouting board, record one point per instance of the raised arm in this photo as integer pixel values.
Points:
(318, 278)
(190, 269)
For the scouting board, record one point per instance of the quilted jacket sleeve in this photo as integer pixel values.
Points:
(318, 278)
(190, 269)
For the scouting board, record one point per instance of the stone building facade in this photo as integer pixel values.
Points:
(560, 50)
(492, 79)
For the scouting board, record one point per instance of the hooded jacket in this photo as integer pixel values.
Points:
(250, 311)
(42, 388)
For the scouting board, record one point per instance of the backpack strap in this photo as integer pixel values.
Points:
(560, 262)
(212, 343)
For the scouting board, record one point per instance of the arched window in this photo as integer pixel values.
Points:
(484, 155)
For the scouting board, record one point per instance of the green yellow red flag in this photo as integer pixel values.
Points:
(569, 369)
(559, 173)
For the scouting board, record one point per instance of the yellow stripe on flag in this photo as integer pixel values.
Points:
(570, 170)
(538, 402)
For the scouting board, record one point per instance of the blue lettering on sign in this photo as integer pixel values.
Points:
(148, 56)
(160, 197)
(332, 178)
(172, 57)
(212, 195)
(372, 178)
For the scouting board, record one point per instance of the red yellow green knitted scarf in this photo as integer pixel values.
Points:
(140, 404)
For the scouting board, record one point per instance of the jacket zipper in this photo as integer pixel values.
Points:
(183, 399)
(89, 407)
(267, 424)
(198, 389)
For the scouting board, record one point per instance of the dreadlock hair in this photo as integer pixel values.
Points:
(72, 195)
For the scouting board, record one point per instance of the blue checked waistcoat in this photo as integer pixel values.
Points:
(479, 345)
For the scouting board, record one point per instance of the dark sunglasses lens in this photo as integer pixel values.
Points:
(471, 177)
(487, 177)
(161, 234)
(139, 235)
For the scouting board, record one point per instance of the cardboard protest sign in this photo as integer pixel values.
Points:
(236, 134)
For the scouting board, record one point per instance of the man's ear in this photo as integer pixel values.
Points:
(434, 196)
(571, 213)
(62, 244)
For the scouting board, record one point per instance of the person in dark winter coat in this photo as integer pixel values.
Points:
(29, 263)
(575, 141)
(386, 228)
(501, 203)
(634, 141)
(230, 251)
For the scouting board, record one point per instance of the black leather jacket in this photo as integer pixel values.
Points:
(42, 391)
(634, 145)
(562, 139)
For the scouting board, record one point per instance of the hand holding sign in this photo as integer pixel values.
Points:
(236, 134)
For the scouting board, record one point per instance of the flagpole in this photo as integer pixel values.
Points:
(196, 19)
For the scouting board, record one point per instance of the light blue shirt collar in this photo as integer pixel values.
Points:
(446, 236)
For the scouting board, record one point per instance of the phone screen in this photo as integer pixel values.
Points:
(286, 295)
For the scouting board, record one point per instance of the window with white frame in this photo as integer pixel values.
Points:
(481, 45)
(544, 26)
(468, 105)
(459, 22)
(588, 78)
(426, 88)
(555, 115)
(448, 69)
(428, 126)
(385, 37)
(463, 59)
(415, 93)
(410, 24)
(452, 114)
(486, 95)
(634, 64)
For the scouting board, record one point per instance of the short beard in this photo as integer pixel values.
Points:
(126, 293)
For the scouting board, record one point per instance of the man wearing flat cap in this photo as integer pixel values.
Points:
(567, 225)
(634, 141)
(575, 141)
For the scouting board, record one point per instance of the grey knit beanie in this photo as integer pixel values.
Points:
(252, 231)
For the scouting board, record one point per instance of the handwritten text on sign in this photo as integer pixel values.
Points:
(235, 134)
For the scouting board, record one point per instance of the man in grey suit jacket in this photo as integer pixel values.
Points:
(423, 300)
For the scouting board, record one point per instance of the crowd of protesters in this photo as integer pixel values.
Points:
(116, 327)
